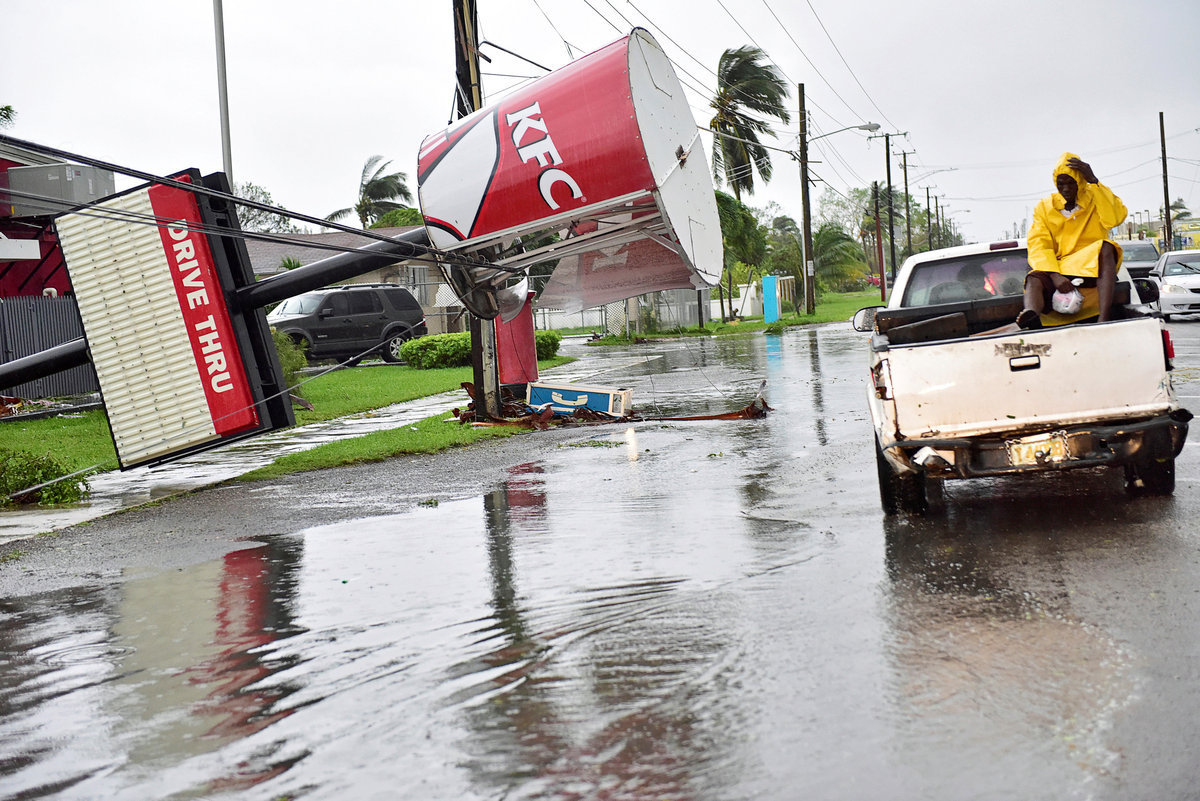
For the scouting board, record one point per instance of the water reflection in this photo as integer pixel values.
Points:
(104, 685)
(581, 703)
(818, 387)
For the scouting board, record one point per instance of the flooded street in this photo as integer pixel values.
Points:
(663, 610)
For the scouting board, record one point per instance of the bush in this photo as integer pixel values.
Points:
(20, 470)
(291, 357)
(547, 343)
(454, 350)
(437, 350)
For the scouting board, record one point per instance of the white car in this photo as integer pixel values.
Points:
(1178, 275)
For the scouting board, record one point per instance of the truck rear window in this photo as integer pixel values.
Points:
(983, 275)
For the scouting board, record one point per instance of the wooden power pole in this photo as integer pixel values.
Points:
(1168, 240)
(469, 98)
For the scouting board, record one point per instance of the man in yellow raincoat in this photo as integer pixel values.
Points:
(1068, 241)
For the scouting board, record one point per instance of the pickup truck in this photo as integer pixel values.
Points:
(956, 390)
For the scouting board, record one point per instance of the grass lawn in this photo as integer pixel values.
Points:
(830, 308)
(430, 435)
(82, 440)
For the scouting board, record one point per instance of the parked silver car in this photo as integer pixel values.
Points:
(1177, 273)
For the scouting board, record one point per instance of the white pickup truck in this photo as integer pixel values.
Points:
(957, 391)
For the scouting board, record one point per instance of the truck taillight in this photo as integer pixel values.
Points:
(1168, 349)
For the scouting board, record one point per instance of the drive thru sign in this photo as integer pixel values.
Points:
(153, 308)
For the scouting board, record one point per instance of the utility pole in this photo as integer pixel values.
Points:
(810, 305)
(469, 98)
(937, 219)
(879, 244)
(887, 146)
(928, 222)
(1168, 241)
(907, 208)
(223, 92)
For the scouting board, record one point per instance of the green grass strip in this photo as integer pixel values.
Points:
(433, 434)
(81, 440)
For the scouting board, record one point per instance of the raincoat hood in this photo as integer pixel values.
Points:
(1062, 169)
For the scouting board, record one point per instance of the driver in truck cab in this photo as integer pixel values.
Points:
(1069, 246)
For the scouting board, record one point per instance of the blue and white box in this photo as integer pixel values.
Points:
(566, 398)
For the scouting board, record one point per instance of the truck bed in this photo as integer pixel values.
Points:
(963, 318)
(1003, 383)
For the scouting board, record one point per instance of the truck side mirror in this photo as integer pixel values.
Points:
(864, 319)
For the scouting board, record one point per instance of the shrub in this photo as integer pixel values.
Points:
(547, 343)
(454, 350)
(291, 357)
(437, 350)
(20, 470)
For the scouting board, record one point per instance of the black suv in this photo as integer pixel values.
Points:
(345, 321)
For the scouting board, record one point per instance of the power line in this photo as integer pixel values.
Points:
(227, 197)
(800, 50)
(569, 46)
(843, 58)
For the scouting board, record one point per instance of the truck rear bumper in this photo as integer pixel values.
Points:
(1086, 446)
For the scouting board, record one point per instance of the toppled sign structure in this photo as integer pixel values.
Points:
(597, 166)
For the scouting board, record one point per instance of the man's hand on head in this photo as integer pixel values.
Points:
(1085, 170)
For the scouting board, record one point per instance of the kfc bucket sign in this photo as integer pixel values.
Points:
(602, 152)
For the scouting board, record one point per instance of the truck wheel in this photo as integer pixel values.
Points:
(1154, 471)
(899, 492)
(391, 347)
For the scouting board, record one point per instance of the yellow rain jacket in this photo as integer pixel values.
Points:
(1071, 244)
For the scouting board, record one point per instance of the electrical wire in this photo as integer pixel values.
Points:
(569, 46)
(427, 250)
(842, 57)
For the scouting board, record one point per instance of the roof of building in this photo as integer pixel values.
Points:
(266, 256)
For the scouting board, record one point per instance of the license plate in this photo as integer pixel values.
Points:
(1042, 449)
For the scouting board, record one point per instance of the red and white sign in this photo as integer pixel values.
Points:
(541, 151)
(596, 155)
(202, 304)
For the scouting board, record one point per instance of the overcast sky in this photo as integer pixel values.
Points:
(986, 96)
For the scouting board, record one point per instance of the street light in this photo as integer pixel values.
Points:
(869, 126)
(810, 305)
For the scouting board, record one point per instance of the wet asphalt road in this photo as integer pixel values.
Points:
(712, 610)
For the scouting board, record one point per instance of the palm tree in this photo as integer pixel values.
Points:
(376, 193)
(746, 86)
(836, 256)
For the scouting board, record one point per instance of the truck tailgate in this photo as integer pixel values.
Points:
(1060, 376)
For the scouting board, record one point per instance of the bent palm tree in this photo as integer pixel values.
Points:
(836, 256)
(746, 86)
(376, 193)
